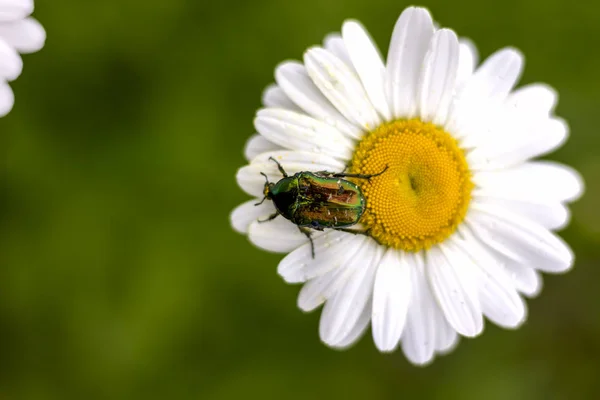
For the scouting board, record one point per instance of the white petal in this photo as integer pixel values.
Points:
(499, 299)
(391, 297)
(518, 140)
(246, 213)
(519, 239)
(496, 77)
(316, 291)
(467, 61)
(526, 280)
(275, 97)
(11, 63)
(438, 78)
(451, 278)
(480, 97)
(278, 235)
(334, 44)
(294, 80)
(7, 99)
(25, 35)
(419, 336)
(249, 177)
(341, 86)
(258, 144)
(410, 41)
(359, 328)
(545, 137)
(15, 9)
(342, 311)
(368, 63)
(332, 250)
(536, 99)
(446, 337)
(541, 181)
(550, 215)
(299, 132)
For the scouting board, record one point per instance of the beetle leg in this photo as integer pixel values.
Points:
(316, 226)
(359, 176)
(353, 231)
(271, 217)
(279, 167)
(324, 174)
(262, 201)
(308, 234)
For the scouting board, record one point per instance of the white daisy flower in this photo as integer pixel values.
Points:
(461, 223)
(19, 33)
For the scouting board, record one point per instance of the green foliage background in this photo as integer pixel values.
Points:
(120, 277)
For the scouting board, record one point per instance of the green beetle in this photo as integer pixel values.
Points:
(317, 200)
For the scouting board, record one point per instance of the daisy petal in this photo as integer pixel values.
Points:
(496, 77)
(536, 99)
(544, 138)
(368, 64)
(26, 35)
(419, 336)
(525, 242)
(467, 61)
(342, 311)
(358, 330)
(294, 80)
(300, 132)
(391, 297)
(536, 181)
(334, 44)
(331, 251)
(318, 290)
(341, 86)
(553, 215)
(258, 144)
(446, 337)
(438, 78)
(277, 236)
(249, 177)
(526, 280)
(478, 101)
(275, 97)
(410, 41)
(248, 212)
(7, 99)
(11, 63)
(450, 276)
(11, 10)
(527, 140)
(500, 302)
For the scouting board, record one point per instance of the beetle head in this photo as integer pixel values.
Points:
(266, 190)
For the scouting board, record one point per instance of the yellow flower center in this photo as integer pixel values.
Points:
(425, 192)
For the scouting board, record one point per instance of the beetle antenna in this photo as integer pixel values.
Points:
(266, 177)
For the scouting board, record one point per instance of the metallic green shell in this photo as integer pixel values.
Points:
(308, 199)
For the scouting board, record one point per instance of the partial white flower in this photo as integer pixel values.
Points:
(459, 226)
(19, 33)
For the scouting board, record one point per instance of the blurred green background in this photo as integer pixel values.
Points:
(120, 277)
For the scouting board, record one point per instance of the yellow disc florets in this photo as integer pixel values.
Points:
(424, 195)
